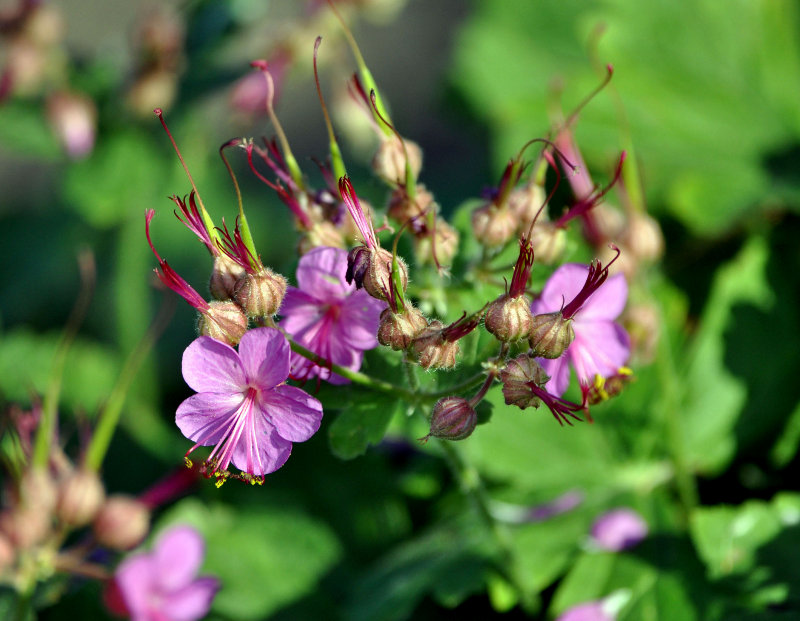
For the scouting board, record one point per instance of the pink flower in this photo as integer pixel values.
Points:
(329, 316)
(243, 406)
(590, 611)
(601, 346)
(618, 530)
(163, 585)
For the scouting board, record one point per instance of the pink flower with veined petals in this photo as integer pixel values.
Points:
(163, 585)
(243, 406)
(601, 346)
(328, 316)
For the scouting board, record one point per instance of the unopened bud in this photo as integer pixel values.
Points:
(608, 220)
(509, 319)
(261, 294)
(443, 238)
(80, 496)
(517, 377)
(223, 321)
(643, 237)
(526, 202)
(25, 526)
(224, 275)
(389, 162)
(549, 242)
(551, 334)
(398, 330)
(372, 270)
(122, 522)
(322, 234)
(37, 490)
(403, 209)
(432, 350)
(493, 227)
(453, 418)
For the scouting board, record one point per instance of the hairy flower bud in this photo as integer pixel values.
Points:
(80, 496)
(643, 238)
(398, 330)
(223, 321)
(509, 318)
(25, 526)
(550, 335)
(549, 242)
(402, 209)
(453, 418)
(372, 270)
(389, 162)
(122, 522)
(37, 490)
(443, 238)
(525, 202)
(493, 226)
(261, 294)
(516, 378)
(224, 275)
(432, 350)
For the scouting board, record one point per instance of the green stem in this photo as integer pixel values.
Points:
(354, 376)
(464, 386)
(472, 487)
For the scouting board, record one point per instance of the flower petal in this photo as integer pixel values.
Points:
(599, 348)
(562, 286)
(265, 356)
(263, 450)
(360, 318)
(205, 417)
(136, 578)
(558, 370)
(191, 602)
(212, 366)
(299, 310)
(295, 414)
(177, 556)
(321, 273)
(607, 302)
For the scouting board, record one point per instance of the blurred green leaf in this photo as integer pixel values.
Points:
(26, 361)
(690, 106)
(364, 422)
(266, 557)
(24, 128)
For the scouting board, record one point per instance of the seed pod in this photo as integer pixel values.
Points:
(516, 378)
(551, 334)
(453, 418)
(445, 239)
(122, 522)
(223, 321)
(493, 227)
(224, 275)
(402, 209)
(261, 294)
(432, 350)
(509, 319)
(372, 270)
(80, 496)
(389, 162)
(398, 330)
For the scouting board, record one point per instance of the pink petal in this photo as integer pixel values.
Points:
(204, 417)
(607, 302)
(590, 611)
(619, 529)
(359, 320)
(265, 356)
(599, 348)
(212, 366)
(191, 602)
(136, 580)
(295, 414)
(321, 273)
(177, 555)
(562, 286)
(299, 310)
(558, 370)
(262, 450)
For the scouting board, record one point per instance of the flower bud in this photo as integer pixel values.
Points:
(402, 209)
(509, 319)
(643, 237)
(389, 162)
(445, 241)
(550, 335)
(37, 490)
(24, 526)
(549, 242)
(80, 496)
(7, 553)
(122, 522)
(223, 321)
(493, 227)
(525, 202)
(516, 378)
(322, 234)
(73, 118)
(224, 275)
(453, 418)
(261, 294)
(608, 220)
(432, 350)
(398, 330)
(372, 270)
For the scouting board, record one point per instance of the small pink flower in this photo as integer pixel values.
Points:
(327, 315)
(619, 529)
(243, 406)
(162, 585)
(601, 346)
(590, 611)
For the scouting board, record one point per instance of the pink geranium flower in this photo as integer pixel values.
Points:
(328, 316)
(601, 346)
(243, 406)
(162, 585)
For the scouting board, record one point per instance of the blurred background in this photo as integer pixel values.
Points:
(705, 99)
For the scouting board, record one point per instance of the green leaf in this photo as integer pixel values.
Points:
(266, 557)
(24, 129)
(361, 424)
